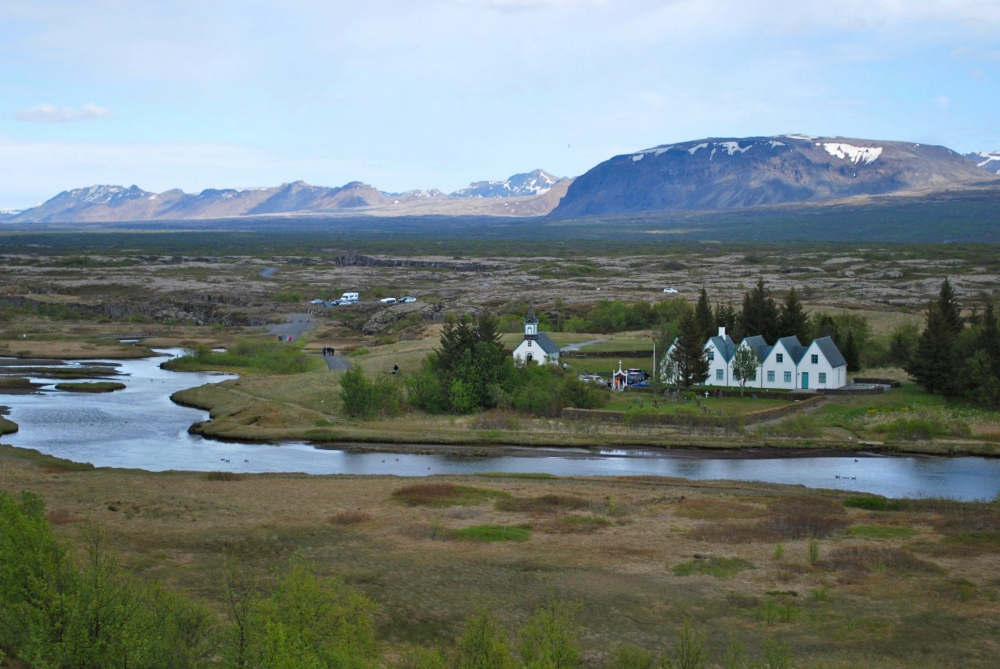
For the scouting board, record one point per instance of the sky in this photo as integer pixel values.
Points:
(406, 94)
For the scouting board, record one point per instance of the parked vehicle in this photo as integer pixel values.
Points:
(388, 300)
(635, 371)
(591, 378)
(316, 301)
(347, 298)
(408, 298)
(672, 291)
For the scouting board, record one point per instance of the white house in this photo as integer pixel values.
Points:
(536, 347)
(785, 366)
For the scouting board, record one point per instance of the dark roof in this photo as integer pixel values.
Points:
(794, 348)
(758, 345)
(546, 344)
(531, 316)
(725, 347)
(830, 351)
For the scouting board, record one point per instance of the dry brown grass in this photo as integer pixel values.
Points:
(223, 476)
(349, 518)
(717, 509)
(875, 558)
(542, 504)
(497, 420)
(63, 517)
(573, 524)
(771, 529)
(813, 506)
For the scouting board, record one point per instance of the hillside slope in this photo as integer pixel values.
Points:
(744, 172)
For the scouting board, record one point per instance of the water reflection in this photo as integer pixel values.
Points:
(140, 428)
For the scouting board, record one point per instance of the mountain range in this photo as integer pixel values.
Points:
(699, 175)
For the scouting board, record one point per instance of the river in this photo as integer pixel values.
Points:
(141, 428)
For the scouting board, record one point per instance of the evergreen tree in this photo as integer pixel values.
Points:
(989, 338)
(851, 354)
(703, 313)
(951, 310)
(793, 319)
(760, 313)
(689, 353)
(725, 317)
(932, 364)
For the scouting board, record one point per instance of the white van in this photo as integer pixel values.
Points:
(388, 300)
(349, 297)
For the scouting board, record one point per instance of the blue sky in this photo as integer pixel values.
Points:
(179, 93)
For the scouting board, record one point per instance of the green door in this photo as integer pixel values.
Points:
(805, 380)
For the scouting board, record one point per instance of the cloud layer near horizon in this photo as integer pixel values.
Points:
(440, 93)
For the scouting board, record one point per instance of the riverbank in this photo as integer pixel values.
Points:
(894, 589)
(7, 426)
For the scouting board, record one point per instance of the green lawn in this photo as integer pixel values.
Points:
(727, 405)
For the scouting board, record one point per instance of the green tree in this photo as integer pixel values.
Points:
(793, 319)
(951, 310)
(760, 313)
(549, 639)
(902, 343)
(703, 314)
(689, 355)
(484, 644)
(989, 338)
(745, 365)
(851, 353)
(726, 317)
(932, 365)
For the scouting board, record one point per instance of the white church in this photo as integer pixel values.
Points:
(788, 365)
(536, 347)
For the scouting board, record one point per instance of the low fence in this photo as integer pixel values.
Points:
(703, 420)
(881, 382)
(874, 390)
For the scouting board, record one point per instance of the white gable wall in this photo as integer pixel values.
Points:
(718, 364)
(836, 377)
(780, 369)
(529, 347)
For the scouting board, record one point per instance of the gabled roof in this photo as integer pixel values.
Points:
(794, 347)
(546, 344)
(830, 352)
(724, 345)
(531, 316)
(758, 345)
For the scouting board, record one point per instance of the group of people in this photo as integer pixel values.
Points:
(328, 350)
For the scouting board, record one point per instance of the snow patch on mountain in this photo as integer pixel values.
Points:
(864, 155)
(535, 182)
(988, 160)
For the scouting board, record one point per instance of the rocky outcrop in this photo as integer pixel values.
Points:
(383, 320)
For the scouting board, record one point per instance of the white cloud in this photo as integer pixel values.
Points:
(47, 113)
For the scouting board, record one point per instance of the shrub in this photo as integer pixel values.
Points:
(802, 525)
(498, 419)
(922, 429)
(287, 297)
(573, 524)
(367, 399)
(719, 567)
(871, 503)
(444, 494)
(868, 558)
(251, 355)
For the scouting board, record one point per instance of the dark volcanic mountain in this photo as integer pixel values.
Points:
(117, 203)
(730, 173)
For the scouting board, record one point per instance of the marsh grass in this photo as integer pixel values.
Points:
(349, 518)
(14, 383)
(715, 509)
(773, 529)
(542, 504)
(574, 524)
(223, 476)
(922, 428)
(882, 531)
(798, 426)
(516, 475)
(97, 387)
(492, 533)
(499, 419)
(963, 545)
(718, 567)
(249, 355)
(444, 494)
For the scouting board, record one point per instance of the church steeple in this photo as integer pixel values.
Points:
(530, 324)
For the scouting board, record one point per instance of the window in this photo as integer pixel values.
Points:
(711, 356)
(788, 377)
(815, 359)
(718, 375)
(770, 377)
(779, 357)
(822, 377)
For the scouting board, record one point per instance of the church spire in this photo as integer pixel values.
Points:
(531, 319)
(530, 324)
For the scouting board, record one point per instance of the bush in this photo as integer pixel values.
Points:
(223, 476)
(251, 355)
(543, 504)
(719, 567)
(922, 429)
(287, 297)
(367, 399)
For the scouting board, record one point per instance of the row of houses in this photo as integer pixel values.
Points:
(787, 365)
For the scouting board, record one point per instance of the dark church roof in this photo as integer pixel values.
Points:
(546, 344)
(531, 316)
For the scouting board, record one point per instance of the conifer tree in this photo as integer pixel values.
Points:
(851, 354)
(703, 313)
(793, 320)
(689, 354)
(989, 338)
(949, 307)
(760, 313)
(725, 317)
(932, 364)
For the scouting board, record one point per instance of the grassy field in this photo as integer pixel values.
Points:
(892, 589)
(730, 406)
(95, 387)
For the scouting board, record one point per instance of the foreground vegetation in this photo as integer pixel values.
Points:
(395, 573)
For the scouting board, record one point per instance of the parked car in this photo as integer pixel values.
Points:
(388, 300)
(408, 298)
(672, 291)
(642, 374)
(316, 301)
(335, 303)
(591, 378)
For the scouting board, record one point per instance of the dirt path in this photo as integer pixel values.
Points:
(337, 363)
(577, 347)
